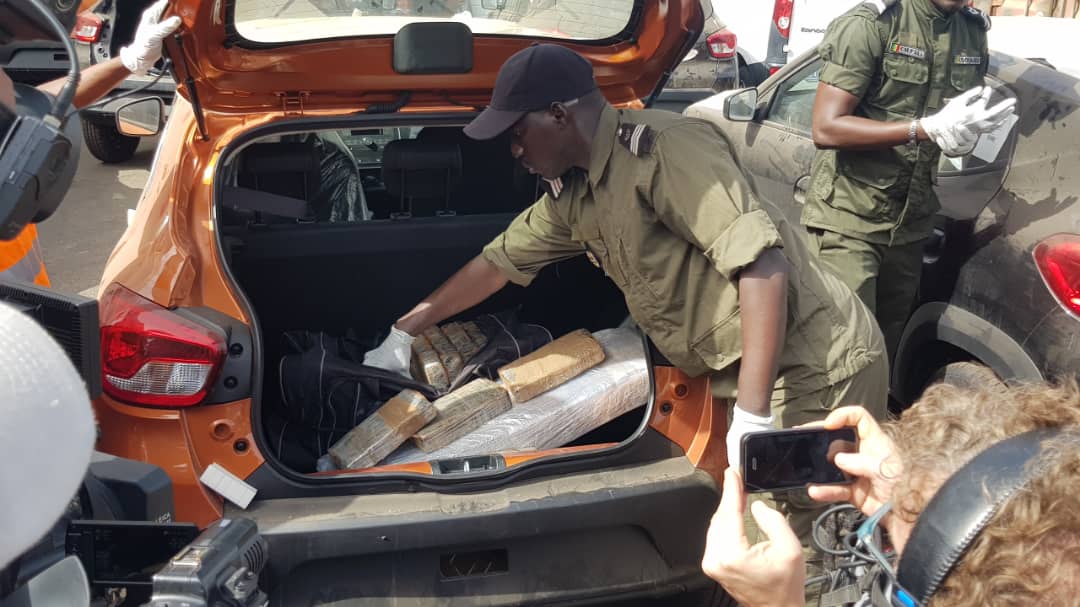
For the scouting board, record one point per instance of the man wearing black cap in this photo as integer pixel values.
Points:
(655, 198)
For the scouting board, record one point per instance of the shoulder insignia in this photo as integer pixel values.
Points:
(638, 138)
(980, 17)
(553, 187)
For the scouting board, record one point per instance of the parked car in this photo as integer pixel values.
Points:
(1001, 273)
(106, 27)
(200, 290)
(35, 62)
(773, 31)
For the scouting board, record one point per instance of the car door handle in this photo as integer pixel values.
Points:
(801, 186)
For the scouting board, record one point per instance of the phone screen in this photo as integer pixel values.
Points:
(789, 459)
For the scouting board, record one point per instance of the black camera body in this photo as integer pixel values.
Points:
(219, 569)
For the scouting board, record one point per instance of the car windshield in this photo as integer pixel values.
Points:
(297, 20)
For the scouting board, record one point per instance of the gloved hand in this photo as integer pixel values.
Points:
(743, 423)
(145, 49)
(393, 354)
(957, 127)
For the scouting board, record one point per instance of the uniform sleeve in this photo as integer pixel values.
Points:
(536, 237)
(851, 53)
(698, 192)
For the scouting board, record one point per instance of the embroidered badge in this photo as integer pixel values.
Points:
(968, 60)
(908, 51)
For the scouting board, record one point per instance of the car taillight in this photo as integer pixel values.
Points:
(1058, 260)
(153, 356)
(781, 16)
(87, 28)
(722, 44)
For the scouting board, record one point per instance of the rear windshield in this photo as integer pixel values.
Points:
(278, 21)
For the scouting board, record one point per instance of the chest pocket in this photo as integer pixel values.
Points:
(963, 77)
(904, 84)
(587, 232)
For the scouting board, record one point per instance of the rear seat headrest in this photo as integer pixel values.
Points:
(281, 157)
(414, 155)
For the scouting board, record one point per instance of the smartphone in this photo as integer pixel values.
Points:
(777, 460)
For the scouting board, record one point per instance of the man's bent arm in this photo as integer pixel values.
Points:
(763, 310)
(94, 82)
(836, 127)
(472, 284)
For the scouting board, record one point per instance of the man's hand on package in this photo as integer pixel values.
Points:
(743, 423)
(139, 56)
(770, 573)
(393, 354)
(956, 128)
(875, 466)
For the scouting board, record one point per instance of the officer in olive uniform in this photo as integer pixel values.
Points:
(720, 285)
(900, 83)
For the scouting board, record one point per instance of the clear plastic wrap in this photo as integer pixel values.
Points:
(559, 416)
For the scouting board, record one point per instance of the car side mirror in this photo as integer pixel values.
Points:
(141, 118)
(741, 106)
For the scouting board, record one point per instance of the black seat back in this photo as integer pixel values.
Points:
(421, 175)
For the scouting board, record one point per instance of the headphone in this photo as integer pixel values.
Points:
(38, 139)
(959, 512)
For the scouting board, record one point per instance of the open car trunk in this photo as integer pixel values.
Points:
(350, 261)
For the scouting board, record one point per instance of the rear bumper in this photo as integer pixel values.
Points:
(631, 532)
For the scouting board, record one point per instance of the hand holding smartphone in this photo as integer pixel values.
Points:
(779, 460)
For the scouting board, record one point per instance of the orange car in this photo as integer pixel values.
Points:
(218, 264)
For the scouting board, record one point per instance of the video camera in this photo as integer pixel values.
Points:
(39, 135)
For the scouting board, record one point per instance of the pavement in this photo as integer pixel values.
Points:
(79, 237)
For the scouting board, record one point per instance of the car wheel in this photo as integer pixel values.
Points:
(966, 375)
(106, 143)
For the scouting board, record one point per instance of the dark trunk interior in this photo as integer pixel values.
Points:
(363, 276)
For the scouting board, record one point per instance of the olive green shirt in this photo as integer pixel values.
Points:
(672, 226)
(903, 64)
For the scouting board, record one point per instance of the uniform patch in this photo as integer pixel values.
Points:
(907, 51)
(638, 138)
(980, 17)
(968, 60)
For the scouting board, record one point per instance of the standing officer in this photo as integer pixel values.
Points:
(900, 83)
(655, 198)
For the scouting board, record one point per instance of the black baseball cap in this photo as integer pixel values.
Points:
(532, 79)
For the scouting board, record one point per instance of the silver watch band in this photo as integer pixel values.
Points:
(913, 133)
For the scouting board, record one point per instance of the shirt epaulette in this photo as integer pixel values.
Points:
(980, 17)
(638, 138)
(878, 6)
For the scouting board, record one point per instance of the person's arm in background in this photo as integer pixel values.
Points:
(94, 82)
(137, 58)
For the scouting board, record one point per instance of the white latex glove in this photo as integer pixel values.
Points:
(393, 354)
(743, 423)
(139, 56)
(880, 5)
(957, 127)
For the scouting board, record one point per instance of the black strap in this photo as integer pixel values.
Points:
(247, 199)
(960, 510)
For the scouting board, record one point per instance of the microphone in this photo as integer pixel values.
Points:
(47, 432)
